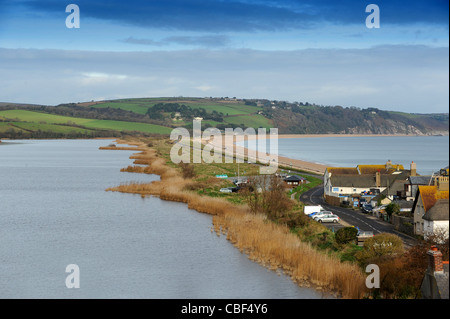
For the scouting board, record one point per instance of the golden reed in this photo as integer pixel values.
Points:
(120, 148)
(269, 244)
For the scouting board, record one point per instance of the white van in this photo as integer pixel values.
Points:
(313, 209)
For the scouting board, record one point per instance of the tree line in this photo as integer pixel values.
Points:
(185, 112)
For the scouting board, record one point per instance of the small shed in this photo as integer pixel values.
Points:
(294, 181)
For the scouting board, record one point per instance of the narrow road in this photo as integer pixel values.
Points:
(354, 217)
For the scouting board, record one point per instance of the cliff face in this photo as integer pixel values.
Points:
(337, 120)
(393, 127)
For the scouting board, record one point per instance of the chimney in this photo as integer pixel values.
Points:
(413, 169)
(378, 179)
(389, 164)
(435, 263)
(442, 183)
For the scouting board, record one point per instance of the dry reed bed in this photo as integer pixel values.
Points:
(275, 247)
(120, 148)
(133, 169)
(264, 242)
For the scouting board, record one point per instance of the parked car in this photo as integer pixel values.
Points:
(229, 190)
(331, 218)
(367, 208)
(317, 215)
(312, 215)
(363, 236)
(364, 233)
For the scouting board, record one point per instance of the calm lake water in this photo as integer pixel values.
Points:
(54, 211)
(429, 152)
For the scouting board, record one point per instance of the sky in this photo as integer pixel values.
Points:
(316, 51)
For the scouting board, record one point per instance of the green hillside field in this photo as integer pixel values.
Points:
(254, 121)
(33, 121)
(140, 106)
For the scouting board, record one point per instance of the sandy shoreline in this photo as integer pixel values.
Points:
(320, 168)
(341, 135)
(316, 167)
(287, 162)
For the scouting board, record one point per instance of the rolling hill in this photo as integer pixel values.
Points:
(160, 115)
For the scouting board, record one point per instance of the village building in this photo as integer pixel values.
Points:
(430, 211)
(435, 220)
(415, 181)
(364, 182)
(394, 192)
(293, 181)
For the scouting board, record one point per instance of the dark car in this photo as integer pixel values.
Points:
(366, 208)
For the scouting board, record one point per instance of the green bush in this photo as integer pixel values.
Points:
(380, 246)
(346, 235)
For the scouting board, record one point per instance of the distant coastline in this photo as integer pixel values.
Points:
(308, 166)
(351, 135)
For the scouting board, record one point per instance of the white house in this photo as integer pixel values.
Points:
(436, 221)
(431, 214)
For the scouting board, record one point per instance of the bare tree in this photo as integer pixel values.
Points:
(266, 194)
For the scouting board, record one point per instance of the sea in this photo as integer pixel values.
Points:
(430, 153)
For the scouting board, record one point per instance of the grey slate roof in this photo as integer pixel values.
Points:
(396, 186)
(366, 181)
(420, 180)
(439, 211)
(442, 282)
(294, 178)
(404, 203)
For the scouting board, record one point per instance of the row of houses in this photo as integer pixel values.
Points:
(424, 197)
(365, 182)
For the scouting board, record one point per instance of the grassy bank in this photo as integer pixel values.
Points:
(25, 123)
(272, 244)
